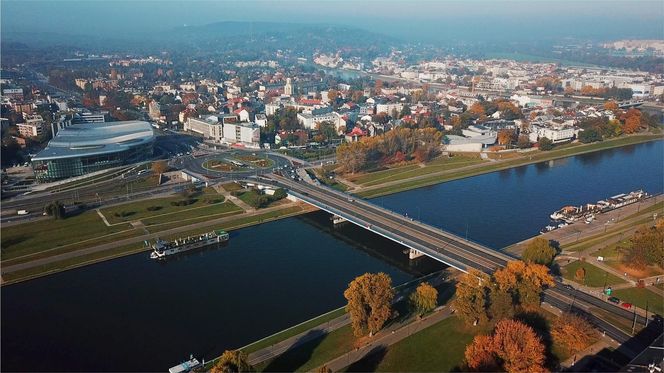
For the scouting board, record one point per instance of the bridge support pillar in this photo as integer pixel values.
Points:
(336, 219)
(412, 254)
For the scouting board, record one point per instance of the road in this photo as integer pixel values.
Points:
(443, 246)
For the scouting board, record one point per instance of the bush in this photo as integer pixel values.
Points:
(184, 202)
(154, 208)
(214, 200)
(279, 194)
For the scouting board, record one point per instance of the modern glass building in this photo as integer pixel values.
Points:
(83, 148)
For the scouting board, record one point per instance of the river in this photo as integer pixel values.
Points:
(132, 314)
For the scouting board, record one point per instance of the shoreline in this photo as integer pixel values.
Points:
(381, 190)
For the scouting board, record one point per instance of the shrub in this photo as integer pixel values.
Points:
(154, 208)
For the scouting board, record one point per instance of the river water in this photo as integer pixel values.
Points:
(132, 314)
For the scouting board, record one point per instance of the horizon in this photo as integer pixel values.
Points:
(446, 22)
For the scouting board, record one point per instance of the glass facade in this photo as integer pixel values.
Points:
(48, 170)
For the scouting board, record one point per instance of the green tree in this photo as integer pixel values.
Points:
(539, 251)
(234, 361)
(424, 299)
(589, 135)
(55, 209)
(279, 194)
(545, 144)
(501, 304)
(369, 302)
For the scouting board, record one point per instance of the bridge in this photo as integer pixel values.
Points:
(443, 246)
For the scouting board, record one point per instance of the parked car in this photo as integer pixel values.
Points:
(614, 300)
(627, 305)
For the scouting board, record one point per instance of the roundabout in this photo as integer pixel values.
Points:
(234, 164)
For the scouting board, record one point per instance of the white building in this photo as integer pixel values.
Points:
(288, 88)
(555, 134)
(261, 120)
(34, 126)
(388, 108)
(209, 127)
(244, 134)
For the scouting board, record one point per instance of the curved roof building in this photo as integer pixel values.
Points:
(83, 148)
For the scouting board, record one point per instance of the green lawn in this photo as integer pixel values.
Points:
(139, 210)
(594, 275)
(413, 170)
(194, 213)
(33, 237)
(312, 354)
(439, 348)
(295, 330)
(639, 297)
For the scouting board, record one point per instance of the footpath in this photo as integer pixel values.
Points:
(387, 337)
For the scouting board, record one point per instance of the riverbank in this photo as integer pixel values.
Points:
(520, 159)
(117, 240)
(120, 246)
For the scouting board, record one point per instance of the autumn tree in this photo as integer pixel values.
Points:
(369, 302)
(332, 95)
(159, 167)
(573, 332)
(518, 347)
(477, 109)
(523, 142)
(352, 156)
(611, 105)
(471, 297)
(525, 281)
(539, 251)
(580, 274)
(480, 356)
(424, 299)
(513, 347)
(505, 137)
(646, 247)
(234, 361)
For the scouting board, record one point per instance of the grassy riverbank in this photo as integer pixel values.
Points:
(425, 176)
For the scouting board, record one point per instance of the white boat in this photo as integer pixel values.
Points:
(162, 249)
(187, 366)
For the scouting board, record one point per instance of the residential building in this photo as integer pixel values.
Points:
(555, 134)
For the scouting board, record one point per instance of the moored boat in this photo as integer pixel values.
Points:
(162, 249)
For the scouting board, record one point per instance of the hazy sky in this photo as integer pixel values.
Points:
(412, 20)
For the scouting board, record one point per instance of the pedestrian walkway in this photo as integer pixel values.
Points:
(571, 363)
(387, 337)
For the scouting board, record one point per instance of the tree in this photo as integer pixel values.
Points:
(405, 111)
(279, 194)
(505, 137)
(501, 304)
(646, 248)
(352, 156)
(480, 355)
(332, 95)
(573, 332)
(589, 135)
(523, 142)
(525, 281)
(518, 347)
(470, 301)
(159, 167)
(545, 144)
(539, 251)
(477, 110)
(232, 362)
(611, 105)
(580, 274)
(424, 299)
(369, 302)
(513, 347)
(56, 209)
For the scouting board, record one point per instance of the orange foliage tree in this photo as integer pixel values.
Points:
(513, 347)
(573, 332)
(369, 302)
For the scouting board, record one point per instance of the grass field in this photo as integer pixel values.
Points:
(209, 212)
(32, 237)
(312, 354)
(412, 170)
(594, 275)
(439, 348)
(640, 297)
(287, 333)
(139, 210)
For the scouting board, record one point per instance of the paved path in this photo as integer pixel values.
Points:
(387, 337)
(138, 239)
(571, 363)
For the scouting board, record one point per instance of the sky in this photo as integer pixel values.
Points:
(410, 20)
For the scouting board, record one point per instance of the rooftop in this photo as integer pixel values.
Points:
(96, 138)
